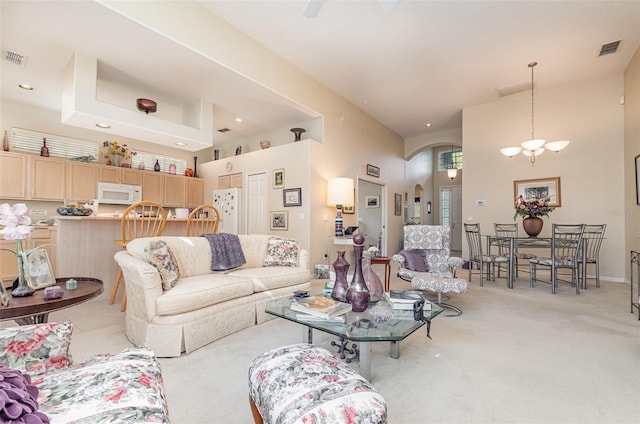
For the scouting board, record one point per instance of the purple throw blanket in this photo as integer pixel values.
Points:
(226, 252)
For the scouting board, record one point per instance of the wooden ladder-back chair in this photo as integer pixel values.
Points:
(202, 220)
(142, 219)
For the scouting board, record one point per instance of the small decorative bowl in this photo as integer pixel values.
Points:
(67, 211)
(381, 312)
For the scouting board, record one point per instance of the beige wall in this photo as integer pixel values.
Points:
(587, 113)
(631, 150)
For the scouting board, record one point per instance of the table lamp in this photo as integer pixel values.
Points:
(339, 192)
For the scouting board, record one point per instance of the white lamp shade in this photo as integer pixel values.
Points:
(511, 151)
(556, 146)
(452, 172)
(340, 191)
(533, 144)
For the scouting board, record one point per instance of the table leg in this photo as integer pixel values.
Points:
(307, 334)
(394, 349)
(365, 360)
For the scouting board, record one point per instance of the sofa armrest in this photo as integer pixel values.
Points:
(143, 284)
(454, 262)
(36, 348)
(303, 259)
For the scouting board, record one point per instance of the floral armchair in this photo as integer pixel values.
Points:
(126, 387)
(426, 250)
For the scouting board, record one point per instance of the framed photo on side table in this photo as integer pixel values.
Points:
(40, 272)
(538, 188)
(292, 197)
(280, 220)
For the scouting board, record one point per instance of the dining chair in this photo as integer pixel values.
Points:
(566, 246)
(142, 219)
(202, 220)
(592, 239)
(474, 240)
(509, 231)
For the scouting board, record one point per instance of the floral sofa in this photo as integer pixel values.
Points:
(126, 387)
(176, 303)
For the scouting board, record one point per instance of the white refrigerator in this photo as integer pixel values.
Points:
(228, 203)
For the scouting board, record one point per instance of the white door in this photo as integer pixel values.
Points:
(257, 212)
(451, 213)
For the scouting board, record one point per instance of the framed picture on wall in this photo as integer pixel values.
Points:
(372, 201)
(350, 209)
(280, 220)
(374, 171)
(397, 210)
(292, 197)
(539, 188)
(278, 178)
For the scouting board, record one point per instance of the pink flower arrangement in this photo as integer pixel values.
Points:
(17, 225)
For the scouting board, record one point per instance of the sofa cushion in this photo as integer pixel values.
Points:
(122, 388)
(273, 277)
(415, 260)
(200, 291)
(36, 348)
(281, 252)
(161, 256)
(192, 254)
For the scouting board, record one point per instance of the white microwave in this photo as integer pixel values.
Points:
(119, 194)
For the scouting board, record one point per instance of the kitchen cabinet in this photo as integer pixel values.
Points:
(194, 188)
(81, 184)
(153, 187)
(48, 178)
(44, 237)
(230, 180)
(174, 191)
(114, 174)
(13, 175)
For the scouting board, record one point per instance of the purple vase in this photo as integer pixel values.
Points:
(341, 266)
(371, 279)
(358, 294)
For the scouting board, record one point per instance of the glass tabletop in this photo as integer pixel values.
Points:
(358, 326)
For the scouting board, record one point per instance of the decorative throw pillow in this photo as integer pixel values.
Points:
(161, 256)
(281, 252)
(18, 398)
(36, 348)
(415, 260)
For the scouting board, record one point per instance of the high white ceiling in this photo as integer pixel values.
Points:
(419, 63)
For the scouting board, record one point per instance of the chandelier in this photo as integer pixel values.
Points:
(534, 147)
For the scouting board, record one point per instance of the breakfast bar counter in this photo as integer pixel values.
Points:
(85, 245)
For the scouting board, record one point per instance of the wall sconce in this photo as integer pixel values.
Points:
(339, 192)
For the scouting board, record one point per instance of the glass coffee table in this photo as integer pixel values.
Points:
(358, 327)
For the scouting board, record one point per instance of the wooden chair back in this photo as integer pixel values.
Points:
(143, 219)
(203, 219)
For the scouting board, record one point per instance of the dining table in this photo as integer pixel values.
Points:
(530, 242)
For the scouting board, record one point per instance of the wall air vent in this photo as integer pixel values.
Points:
(609, 48)
(13, 57)
(224, 130)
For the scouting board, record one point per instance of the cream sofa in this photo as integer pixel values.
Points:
(204, 305)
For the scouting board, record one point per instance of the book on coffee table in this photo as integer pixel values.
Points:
(404, 299)
(320, 306)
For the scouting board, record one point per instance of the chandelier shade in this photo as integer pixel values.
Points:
(535, 146)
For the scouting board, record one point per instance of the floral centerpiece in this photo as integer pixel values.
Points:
(117, 154)
(532, 211)
(17, 226)
(534, 208)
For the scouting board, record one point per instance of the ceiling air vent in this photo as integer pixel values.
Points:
(609, 48)
(14, 57)
(224, 130)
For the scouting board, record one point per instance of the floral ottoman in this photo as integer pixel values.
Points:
(307, 384)
(126, 387)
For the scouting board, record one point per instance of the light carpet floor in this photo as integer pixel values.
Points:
(513, 356)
